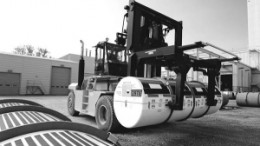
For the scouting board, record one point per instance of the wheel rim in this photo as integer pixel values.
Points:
(70, 103)
(102, 115)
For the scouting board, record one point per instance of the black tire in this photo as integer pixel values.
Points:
(105, 115)
(71, 104)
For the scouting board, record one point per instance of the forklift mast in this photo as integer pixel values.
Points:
(146, 52)
(149, 52)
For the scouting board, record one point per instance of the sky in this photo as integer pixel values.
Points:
(59, 25)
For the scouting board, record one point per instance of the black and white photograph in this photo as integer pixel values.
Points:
(129, 72)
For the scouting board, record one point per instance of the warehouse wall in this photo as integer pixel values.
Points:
(242, 77)
(250, 58)
(35, 69)
(255, 80)
(89, 62)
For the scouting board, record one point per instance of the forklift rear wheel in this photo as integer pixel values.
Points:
(71, 105)
(105, 115)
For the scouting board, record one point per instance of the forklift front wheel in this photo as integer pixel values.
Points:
(71, 104)
(105, 115)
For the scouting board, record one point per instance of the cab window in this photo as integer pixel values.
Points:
(91, 83)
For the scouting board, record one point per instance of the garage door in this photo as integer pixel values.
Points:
(9, 83)
(60, 80)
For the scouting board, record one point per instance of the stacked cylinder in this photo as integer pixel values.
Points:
(141, 102)
(226, 96)
(251, 99)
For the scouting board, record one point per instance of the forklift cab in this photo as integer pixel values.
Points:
(110, 59)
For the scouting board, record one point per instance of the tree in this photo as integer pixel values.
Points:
(20, 50)
(42, 52)
(30, 51)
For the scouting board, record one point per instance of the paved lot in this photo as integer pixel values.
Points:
(238, 126)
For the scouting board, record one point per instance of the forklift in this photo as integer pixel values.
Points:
(126, 90)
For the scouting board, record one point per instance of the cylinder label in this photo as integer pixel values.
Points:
(136, 93)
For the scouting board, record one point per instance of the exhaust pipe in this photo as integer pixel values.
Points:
(81, 67)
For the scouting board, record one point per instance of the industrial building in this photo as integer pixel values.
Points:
(29, 75)
(236, 76)
(253, 13)
(34, 75)
(243, 75)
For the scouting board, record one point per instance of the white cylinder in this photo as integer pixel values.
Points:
(219, 99)
(241, 98)
(141, 102)
(199, 92)
(253, 99)
(188, 104)
(226, 96)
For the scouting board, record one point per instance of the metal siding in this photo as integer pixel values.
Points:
(255, 79)
(241, 78)
(10, 62)
(254, 59)
(250, 58)
(72, 65)
(89, 62)
(89, 65)
(34, 68)
(9, 83)
(60, 80)
(245, 57)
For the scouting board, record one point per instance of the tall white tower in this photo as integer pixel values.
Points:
(253, 8)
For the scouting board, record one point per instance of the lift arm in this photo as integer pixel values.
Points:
(145, 41)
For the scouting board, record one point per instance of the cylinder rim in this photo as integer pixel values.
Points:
(70, 103)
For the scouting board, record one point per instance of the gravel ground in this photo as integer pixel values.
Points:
(232, 126)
